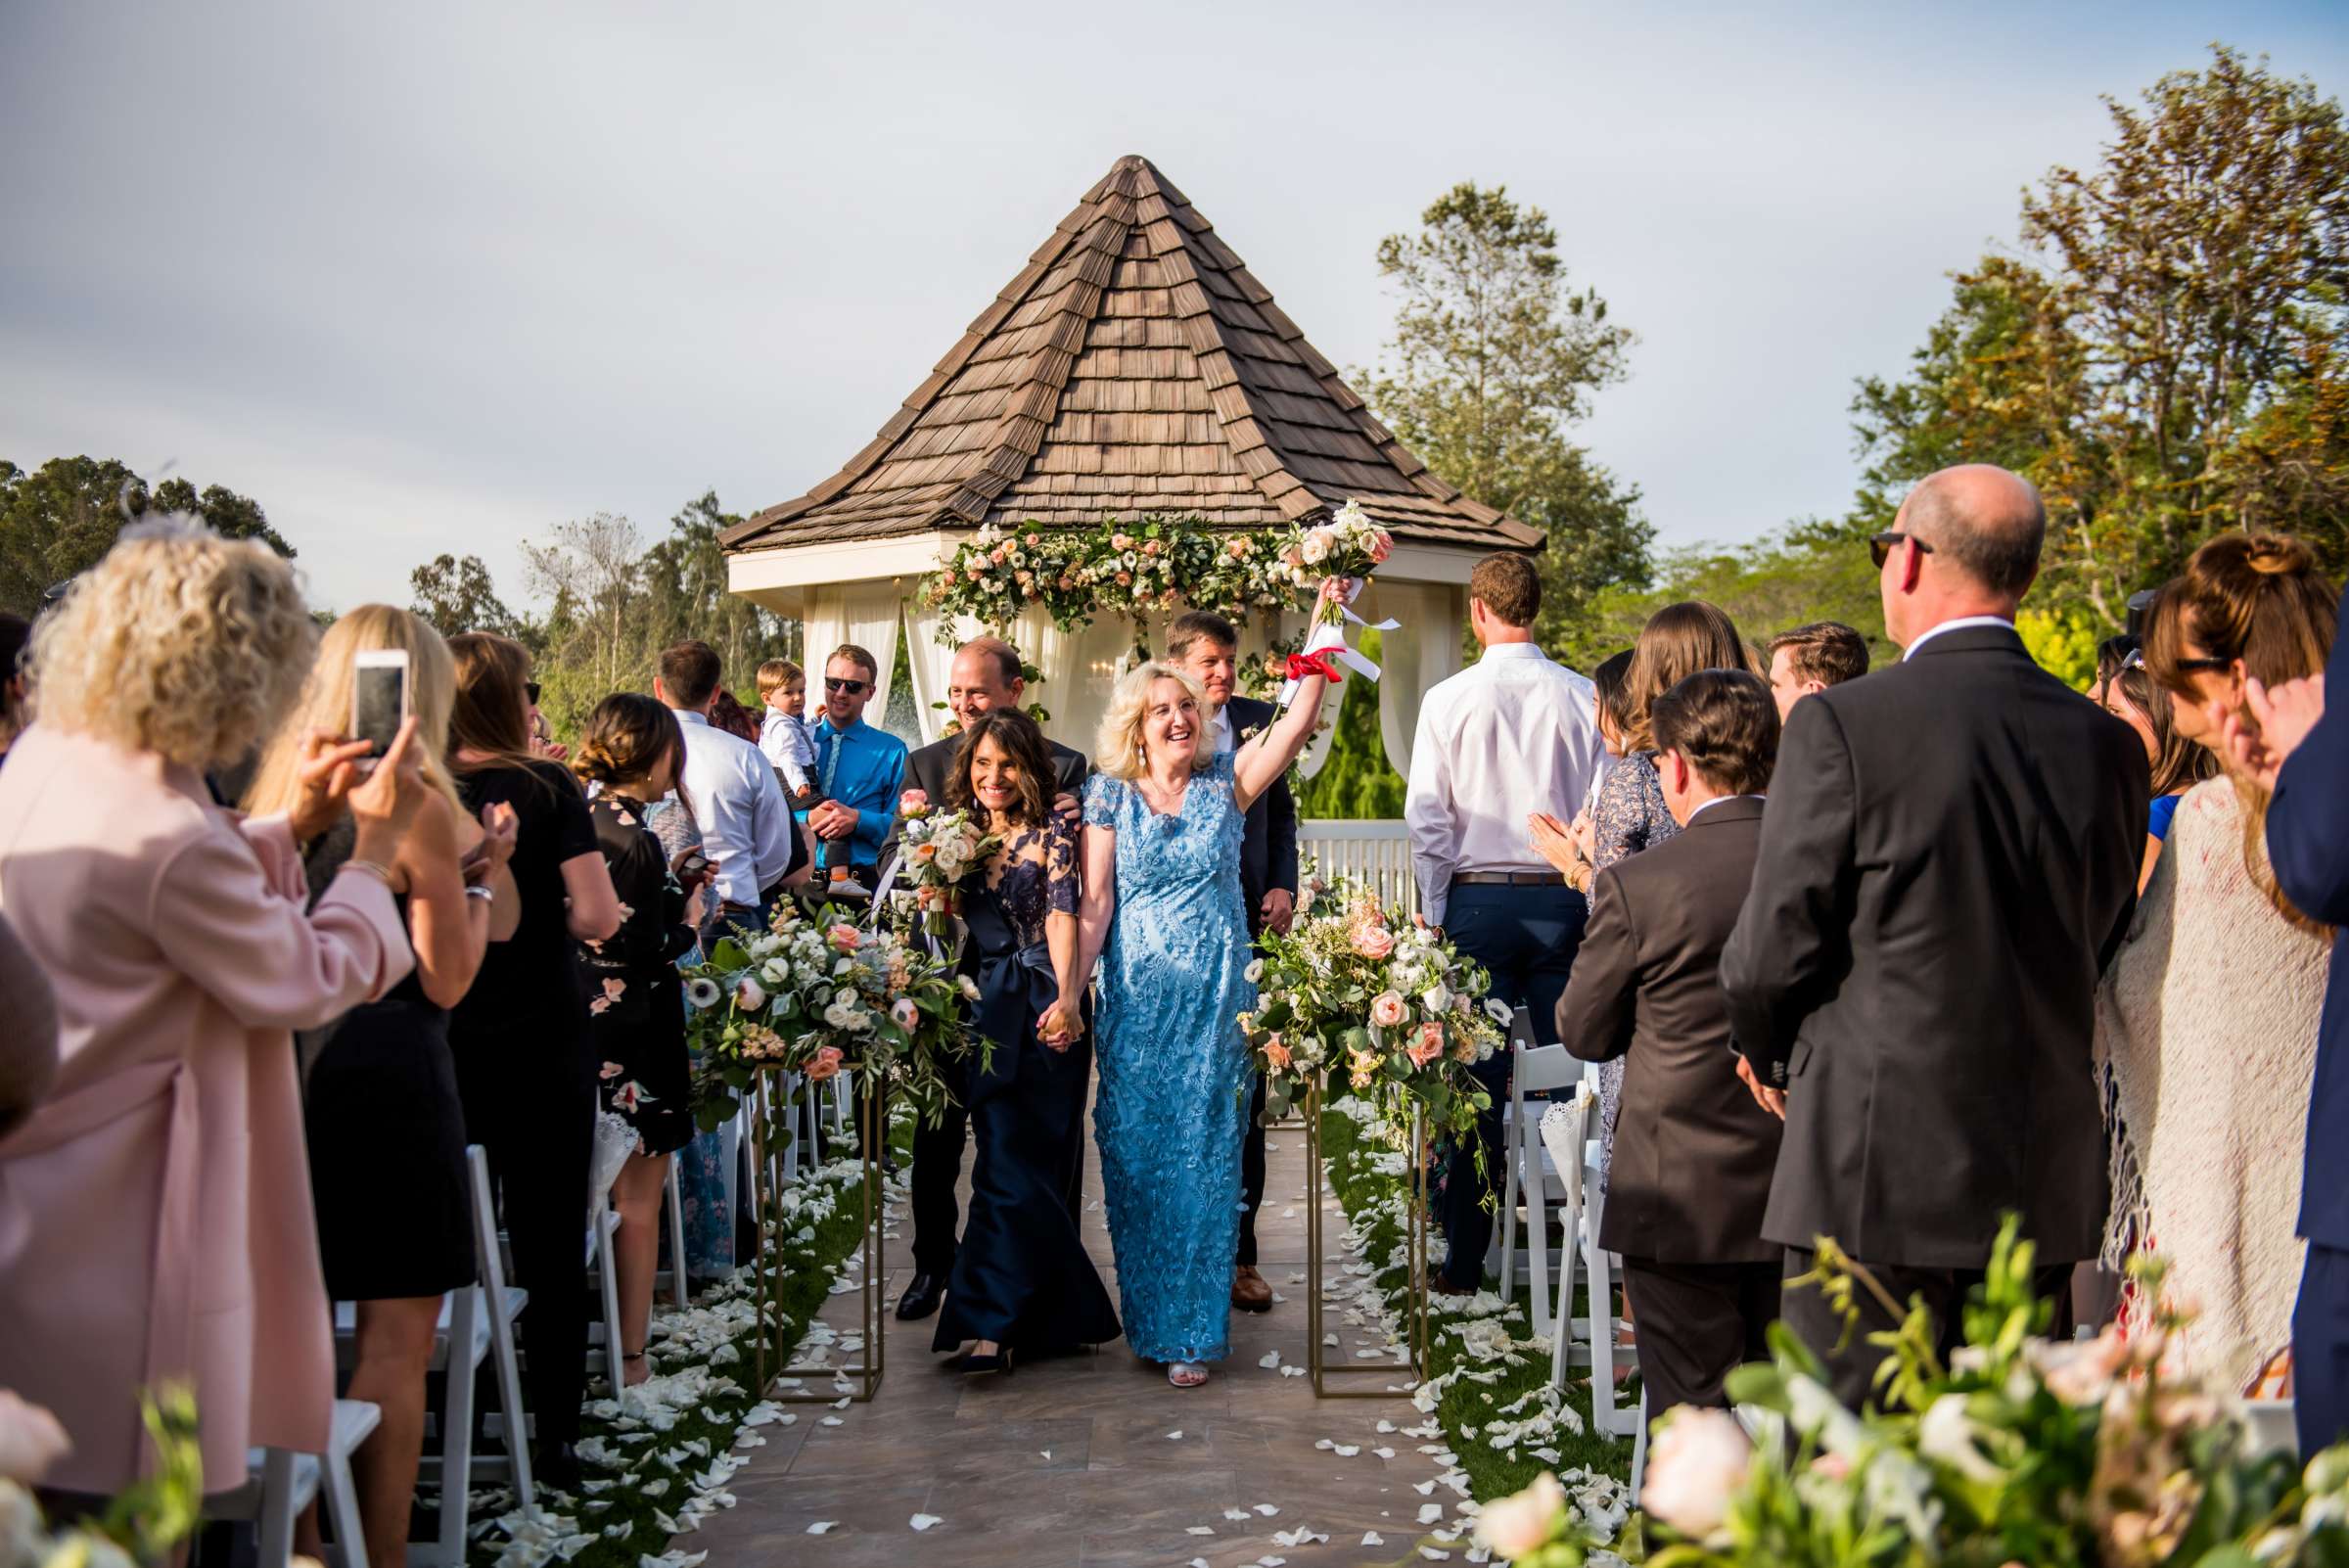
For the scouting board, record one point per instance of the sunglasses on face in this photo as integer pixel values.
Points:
(1879, 545)
(2216, 667)
(852, 687)
(530, 689)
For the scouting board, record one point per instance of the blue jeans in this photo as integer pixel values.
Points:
(1526, 938)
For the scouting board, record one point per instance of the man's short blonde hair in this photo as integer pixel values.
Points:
(179, 642)
(1118, 750)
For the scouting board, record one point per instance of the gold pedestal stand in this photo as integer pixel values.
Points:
(771, 1132)
(1414, 1307)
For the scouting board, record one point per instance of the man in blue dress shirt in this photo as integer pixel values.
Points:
(859, 771)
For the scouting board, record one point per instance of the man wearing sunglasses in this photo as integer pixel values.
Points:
(1947, 859)
(860, 769)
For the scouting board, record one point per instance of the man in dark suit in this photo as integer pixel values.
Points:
(984, 674)
(1949, 858)
(1207, 648)
(2299, 748)
(1693, 1152)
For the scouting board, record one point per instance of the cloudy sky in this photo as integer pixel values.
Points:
(436, 277)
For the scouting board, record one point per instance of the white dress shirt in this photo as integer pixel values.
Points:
(1512, 735)
(1959, 624)
(1225, 740)
(739, 807)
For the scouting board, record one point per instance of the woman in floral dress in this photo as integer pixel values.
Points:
(633, 748)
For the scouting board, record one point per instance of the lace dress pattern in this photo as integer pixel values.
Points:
(1173, 1108)
(1629, 816)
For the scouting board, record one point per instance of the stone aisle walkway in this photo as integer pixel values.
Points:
(1093, 1461)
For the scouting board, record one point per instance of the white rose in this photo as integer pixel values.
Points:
(1697, 1458)
(764, 944)
(1519, 1526)
(775, 971)
(1437, 998)
(749, 994)
(30, 1440)
(1315, 548)
(968, 987)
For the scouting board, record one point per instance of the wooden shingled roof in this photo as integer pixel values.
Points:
(1134, 366)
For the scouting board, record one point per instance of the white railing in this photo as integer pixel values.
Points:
(1374, 853)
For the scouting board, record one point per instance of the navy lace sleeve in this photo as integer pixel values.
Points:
(1630, 815)
(1060, 869)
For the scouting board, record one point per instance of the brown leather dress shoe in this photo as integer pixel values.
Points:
(1248, 1292)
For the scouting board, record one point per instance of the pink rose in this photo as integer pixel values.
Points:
(1382, 545)
(1120, 542)
(1372, 942)
(842, 939)
(913, 803)
(1033, 540)
(1125, 579)
(824, 1064)
(999, 555)
(1426, 1046)
(1067, 582)
(1387, 1009)
(1150, 547)
(1276, 1054)
(1237, 549)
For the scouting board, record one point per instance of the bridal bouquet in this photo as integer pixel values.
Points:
(1347, 545)
(2020, 1450)
(1387, 1005)
(813, 995)
(937, 849)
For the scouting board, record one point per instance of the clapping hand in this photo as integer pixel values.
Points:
(2280, 719)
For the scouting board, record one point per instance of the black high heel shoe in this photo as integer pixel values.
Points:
(972, 1364)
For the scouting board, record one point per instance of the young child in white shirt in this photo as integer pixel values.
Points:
(782, 736)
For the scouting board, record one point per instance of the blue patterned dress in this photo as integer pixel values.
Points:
(1173, 1108)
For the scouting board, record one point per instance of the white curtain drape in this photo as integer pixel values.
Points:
(1423, 650)
(823, 626)
(869, 615)
(1081, 670)
(930, 662)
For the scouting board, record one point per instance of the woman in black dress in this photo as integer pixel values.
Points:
(632, 750)
(379, 1108)
(1022, 1278)
(525, 1068)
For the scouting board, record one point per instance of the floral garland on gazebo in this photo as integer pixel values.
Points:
(1137, 570)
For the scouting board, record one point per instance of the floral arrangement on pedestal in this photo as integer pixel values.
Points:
(1385, 1006)
(812, 996)
(2021, 1449)
(937, 848)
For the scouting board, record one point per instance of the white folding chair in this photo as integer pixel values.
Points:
(280, 1483)
(1565, 1132)
(1531, 1177)
(607, 1281)
(673, 1202)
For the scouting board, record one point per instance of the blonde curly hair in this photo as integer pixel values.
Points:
(1118, 751)
(179, 642)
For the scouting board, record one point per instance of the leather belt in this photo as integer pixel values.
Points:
(1508, 879)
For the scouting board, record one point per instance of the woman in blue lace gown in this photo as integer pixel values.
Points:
(1021, 1280)
(1164, 815)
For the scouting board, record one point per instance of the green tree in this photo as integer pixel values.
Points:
(457, 595)
(2164, 356)
(58, 519)
(1494, 359)
(687, 596)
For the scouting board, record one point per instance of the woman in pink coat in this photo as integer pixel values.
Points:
(154, 1212)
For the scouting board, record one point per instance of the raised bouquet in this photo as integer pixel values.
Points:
(936, 849)
(2019, 1450)
(1347, 545)
(1384, 1004)
(813, 995)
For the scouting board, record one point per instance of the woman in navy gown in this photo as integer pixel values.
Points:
(1022, 1281)
(1163, 816)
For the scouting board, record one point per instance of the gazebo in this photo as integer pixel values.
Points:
(1133, 367)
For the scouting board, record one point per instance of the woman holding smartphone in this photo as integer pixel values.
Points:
(525, 1068)
(632, 750)
(379, 1108)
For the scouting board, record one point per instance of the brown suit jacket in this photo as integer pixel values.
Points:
(1693, 1153)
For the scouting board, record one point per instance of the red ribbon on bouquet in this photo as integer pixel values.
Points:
(1315, 664)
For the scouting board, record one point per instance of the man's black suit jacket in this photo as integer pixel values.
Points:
(1693, 1153)
(1268, 853)
(929, 768)
(1949, 858)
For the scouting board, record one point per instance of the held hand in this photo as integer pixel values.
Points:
(832, 820)
(1061, 1026)
(1337, 590)
(1279, 908)
(1771, 1100)
(325, 776)
(1065, 807)
(385, 807)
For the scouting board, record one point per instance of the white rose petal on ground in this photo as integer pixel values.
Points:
(823, 1527)
(1175, 1436)
(1198, 1530)
(1431, 1513)
(1265, 1508)
(1238, 1515)
(1371, 1537)
(1269, 1360)
(923, 1521)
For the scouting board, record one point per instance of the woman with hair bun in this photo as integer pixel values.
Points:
(2208, 1013)
(632, 750)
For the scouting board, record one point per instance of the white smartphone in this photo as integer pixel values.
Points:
(379, 696)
